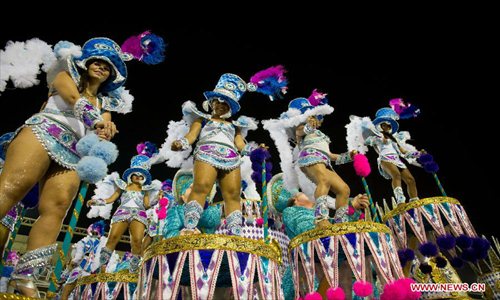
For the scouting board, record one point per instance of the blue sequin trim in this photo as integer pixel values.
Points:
(58, 140)
(310, 156)
(218, 155)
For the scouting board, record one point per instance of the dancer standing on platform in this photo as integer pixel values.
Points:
(394, 153)
(302, 121)
(221, 142)
(157, 215)
(137, 192)
(85, 257)
(83, 91)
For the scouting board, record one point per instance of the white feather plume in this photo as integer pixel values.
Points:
(65, 49)
(358, 130)
(78, 249)
(96, 262)
(128, 100)
(113, 262)
(20, 62)
(175, 131)
(153, 190)
(246, 174)
(246, 124)
(104, 189)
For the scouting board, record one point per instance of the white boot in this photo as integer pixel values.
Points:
(399, 194)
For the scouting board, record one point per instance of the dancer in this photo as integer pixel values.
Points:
(221, 142)
(83, 91)
(301, 122)
(85, 260)
(394, 153)
(157, 215)
(137, 192)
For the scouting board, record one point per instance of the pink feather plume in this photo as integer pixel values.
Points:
(316, 97)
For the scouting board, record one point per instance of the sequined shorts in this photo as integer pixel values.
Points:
(311, 156)
(219, 156)
(11, 217)
(128, 214)
(391, 158)
(58, 140)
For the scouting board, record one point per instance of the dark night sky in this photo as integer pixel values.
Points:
(442, 69)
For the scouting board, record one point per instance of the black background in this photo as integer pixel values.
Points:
(443, 66)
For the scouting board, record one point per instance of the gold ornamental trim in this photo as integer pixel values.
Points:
(337, 229)
(122, 276)
(15, 297)
(214, 242)
(401, 208)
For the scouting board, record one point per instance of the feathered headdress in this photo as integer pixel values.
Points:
(404, 110)
(271, 82)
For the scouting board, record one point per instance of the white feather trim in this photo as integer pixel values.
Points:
(246, 174)
(97, 257)
(154, 188)
(65, 49)
(113, 262)
(279, 135)
(292, 117)
(191, 113)
(20, 62)
(358, 130)
(104, 189)
(78, 250)
(246, 124)
(127, 99)
(175, 131)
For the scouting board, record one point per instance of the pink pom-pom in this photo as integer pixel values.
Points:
(162, 213)
(400, 290)
(362, 288)
(350, 210)
(313, 296)
(163, 202)
(335, 294)
(405, 285)
(362, 216)
(259, 221)
(392, 291)
(361, 165)
(316, 97)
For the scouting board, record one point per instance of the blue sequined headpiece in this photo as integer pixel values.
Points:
(387, 115)
(230, 88)
(138, 164)
(109, 51)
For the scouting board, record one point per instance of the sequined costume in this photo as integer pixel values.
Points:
(388, 151)
(131, 208)
(86, 257)
(216, 146)
(314, 149)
